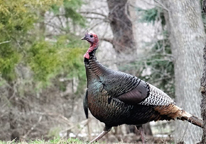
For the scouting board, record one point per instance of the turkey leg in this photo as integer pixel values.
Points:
(100, 135)
(140, 128)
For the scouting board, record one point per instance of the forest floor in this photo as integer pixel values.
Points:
(150, 140)
(53, 141)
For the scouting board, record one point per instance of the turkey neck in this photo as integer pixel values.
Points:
(94, 69)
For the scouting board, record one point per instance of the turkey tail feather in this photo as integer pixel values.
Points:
(174, 112)
(192, 119)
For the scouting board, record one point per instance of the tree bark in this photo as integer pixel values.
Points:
(203, 91)
(121, 26)
(186, 31)
(203, 85)
(123, 38)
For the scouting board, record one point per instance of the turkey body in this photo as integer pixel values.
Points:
(114, 112)
(115, 97)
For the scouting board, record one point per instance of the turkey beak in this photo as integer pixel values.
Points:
(84, 38)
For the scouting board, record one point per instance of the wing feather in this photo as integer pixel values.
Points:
(85, 104)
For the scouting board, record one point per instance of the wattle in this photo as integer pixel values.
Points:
(86, 55)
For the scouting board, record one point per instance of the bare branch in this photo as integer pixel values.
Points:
(32, 128)
(4, 42)
(98, 18)
(96, 24)
(56, 115)
(96, 13)
(107, 40)
(161, 5)
(84, 122)
(57, 27)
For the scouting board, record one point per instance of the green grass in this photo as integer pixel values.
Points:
(52, 141)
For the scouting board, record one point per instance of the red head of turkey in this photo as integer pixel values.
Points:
(92, 38)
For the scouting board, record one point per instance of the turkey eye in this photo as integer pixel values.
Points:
(91, 36)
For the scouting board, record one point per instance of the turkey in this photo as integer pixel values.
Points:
(117, 98)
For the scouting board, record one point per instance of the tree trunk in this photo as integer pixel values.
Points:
(121, 26)
(186, 31)
(203, 85)
(123, 38)
(203, 91)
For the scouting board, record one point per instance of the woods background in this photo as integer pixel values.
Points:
(42, 75)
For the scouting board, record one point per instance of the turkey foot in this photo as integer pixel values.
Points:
(100, 136)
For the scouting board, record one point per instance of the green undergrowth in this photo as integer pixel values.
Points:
(52, 141)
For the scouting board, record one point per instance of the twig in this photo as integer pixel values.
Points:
(161, 5)
(94, 13)
(98, 18)
(56, 27)
(84, 121)
(13, 94)
(56, 115)
(107, 40)
(32, 128)
(4, 42)
(98, 23)
(89, 131)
